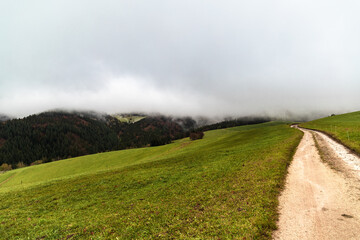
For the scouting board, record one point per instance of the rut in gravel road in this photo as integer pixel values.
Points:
(321, 199)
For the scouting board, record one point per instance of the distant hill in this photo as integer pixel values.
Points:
(53, 135)
(149, 130)
(233, 122)
(57, 135)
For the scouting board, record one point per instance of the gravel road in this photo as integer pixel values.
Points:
(321, 199)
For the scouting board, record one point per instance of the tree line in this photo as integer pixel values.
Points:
(56, 135)
(51, 136)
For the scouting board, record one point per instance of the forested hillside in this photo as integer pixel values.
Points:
(57, 135)
(150, 131)
(233, 122)
(52, 136)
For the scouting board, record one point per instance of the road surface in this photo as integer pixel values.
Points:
(321, 199)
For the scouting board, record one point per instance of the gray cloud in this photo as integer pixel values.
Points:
(180, 57)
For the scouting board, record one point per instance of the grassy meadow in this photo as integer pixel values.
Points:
(224, 186)
(129, 119)
(345, 128)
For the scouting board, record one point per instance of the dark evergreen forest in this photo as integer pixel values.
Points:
(55, 135)
(52, 136)
(234, 122)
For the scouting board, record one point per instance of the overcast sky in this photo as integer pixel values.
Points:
(180, 56)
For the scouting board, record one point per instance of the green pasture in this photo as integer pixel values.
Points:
(225, 186)
(345, 128)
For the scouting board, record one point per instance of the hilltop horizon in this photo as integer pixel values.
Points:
(283, 115)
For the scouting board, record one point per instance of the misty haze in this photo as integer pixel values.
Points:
(182, 119)
(199, 58)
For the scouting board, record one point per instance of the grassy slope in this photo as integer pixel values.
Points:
(223, 186)
(129, 119)
(345, 128)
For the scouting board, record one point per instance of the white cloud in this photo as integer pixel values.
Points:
(182, 57)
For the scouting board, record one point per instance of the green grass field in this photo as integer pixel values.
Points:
(128, 119)
(345, 128)
(224, 186)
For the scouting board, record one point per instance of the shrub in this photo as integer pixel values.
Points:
(196, 135)
(20, 165)
(5, 167)
(37, 162)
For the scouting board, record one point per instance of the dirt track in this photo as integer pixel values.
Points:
(321, 200)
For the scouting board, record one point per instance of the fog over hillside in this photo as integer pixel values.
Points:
(3, 117)
(200, 58)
